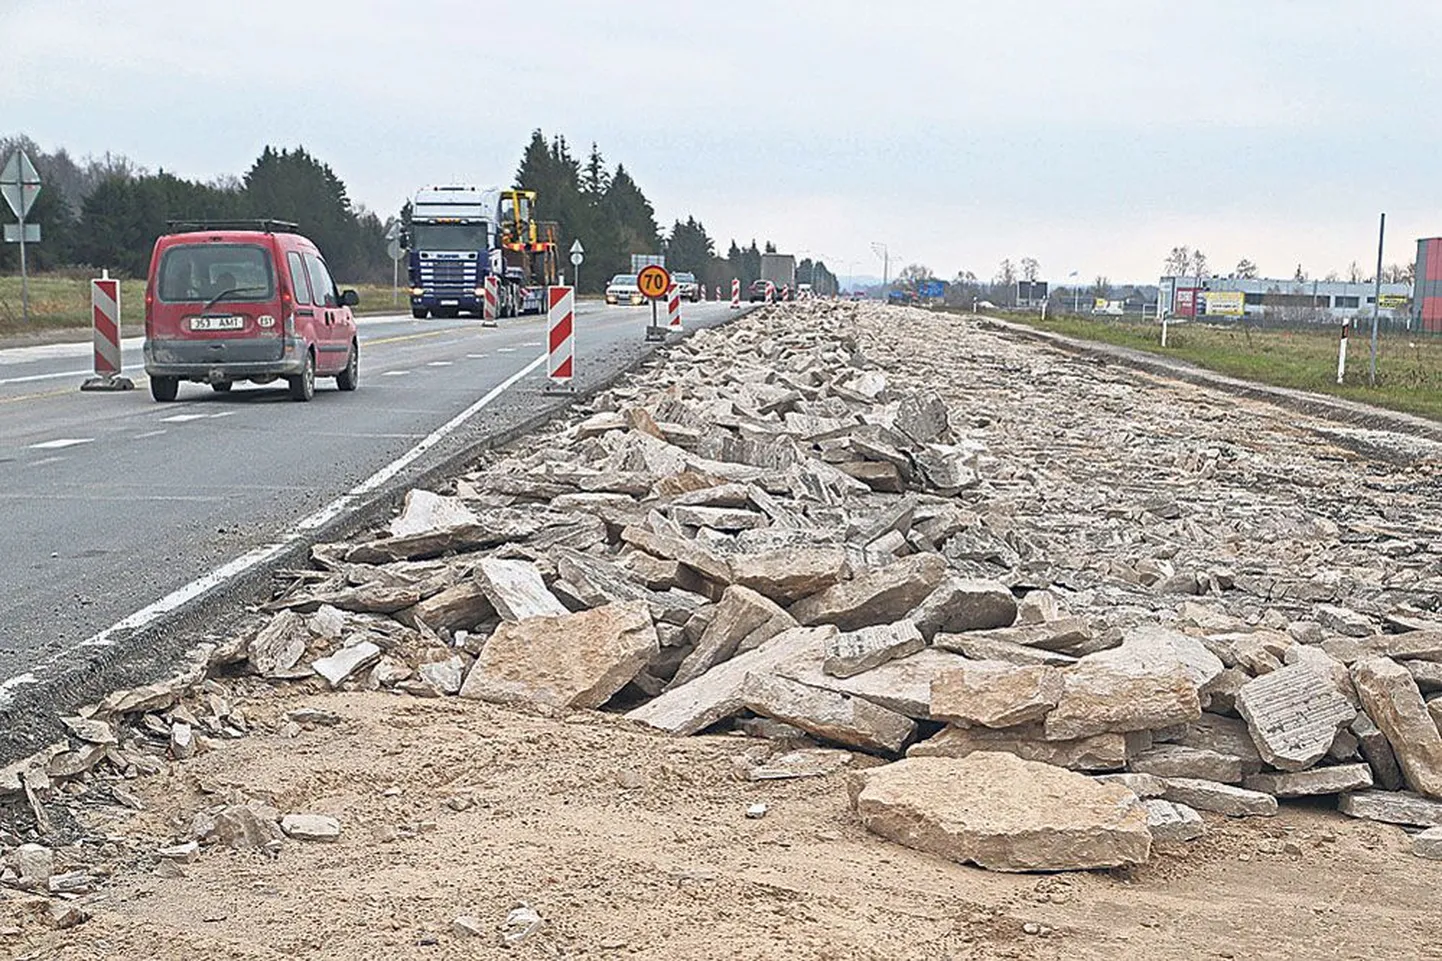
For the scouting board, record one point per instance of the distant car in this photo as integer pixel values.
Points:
(253, 300)
(622, 290)
(686, 286)
(756, 290)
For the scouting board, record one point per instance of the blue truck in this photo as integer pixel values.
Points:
(459, 235)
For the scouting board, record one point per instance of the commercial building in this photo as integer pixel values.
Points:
(1302, 300)
(1427, 303)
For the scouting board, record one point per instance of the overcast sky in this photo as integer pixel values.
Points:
(1091, 135)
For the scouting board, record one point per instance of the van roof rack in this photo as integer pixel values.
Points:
(265, 225)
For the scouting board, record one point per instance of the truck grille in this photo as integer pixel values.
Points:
(445, 276)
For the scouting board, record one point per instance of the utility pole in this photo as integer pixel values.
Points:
(884, 252)
(1376, 302)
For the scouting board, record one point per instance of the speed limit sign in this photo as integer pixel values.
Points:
(653, 281)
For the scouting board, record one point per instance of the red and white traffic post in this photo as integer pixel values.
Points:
(735, 293)
(673, 308)
(770, 292)
(561, 339)
(105, 316)
(490, 302)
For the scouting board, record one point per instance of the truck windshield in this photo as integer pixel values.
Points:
(448, 236)
(204, 271)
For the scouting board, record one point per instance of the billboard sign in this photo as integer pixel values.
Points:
(1225, 303)
(932, 288)
(1028, 291)
(1392, 301)
(1184, 304)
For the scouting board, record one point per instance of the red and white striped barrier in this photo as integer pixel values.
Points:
(1342, 353)
(785, 291)
(490, 303)
(770, 292)
(561, 341)
(673, 308)
(735, 293)
(105, 315)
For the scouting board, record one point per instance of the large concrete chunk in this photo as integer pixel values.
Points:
(1139, 686)
(1319, 780)
(425, 511)
(853, 721)
(741, 613)
(1392, 807)
(1224, 735)
(854, 652)
(1410, 646)
(1004, 814)
(280, 645)
(515, 589)
(902, 685)
(1391, 699)
(996, 694)
(716, 695)
(339, 666)
(959, 604)
(986, 646)
(875, 597)
(1201, 665)
(1177, 760)
(1099, 752)
(1377, 751)
(791, 573)
(571, 660)
(1225, 799)
(1172, 822)
(1294, 714)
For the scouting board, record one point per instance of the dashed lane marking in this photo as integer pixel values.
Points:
(61, 442)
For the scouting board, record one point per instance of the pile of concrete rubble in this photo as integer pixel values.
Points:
(802, 531)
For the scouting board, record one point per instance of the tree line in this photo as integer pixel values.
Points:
(608, 212)
(108, 212)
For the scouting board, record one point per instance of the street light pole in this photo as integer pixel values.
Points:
(884, 253)
(1376, 302)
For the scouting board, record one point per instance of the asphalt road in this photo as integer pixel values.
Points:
(115, 505)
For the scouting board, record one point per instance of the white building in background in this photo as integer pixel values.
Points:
(1232, 297)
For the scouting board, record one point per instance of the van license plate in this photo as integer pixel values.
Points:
(450, 303)
(217, 323)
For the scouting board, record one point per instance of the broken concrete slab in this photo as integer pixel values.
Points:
(278, 647)
(790, 573)
(1340, 779)
(1139, 686)
(810, 762)
(569, 660)
(1225, 735)
(1345, 621)
(741, 615)
(446, 675)
(1099, 752)
(1003, 813)
(841, 718)
(984, 647)
(1377, 751)
(1220, 798)
(1171, 822)
(996, 694)
(1392, 700)
(1409, 646)
(424, 511)
(963, 604)
(1392, 807)
(716, 695)
(1428, 844)
(1142, 785)
(719, 518)
(874, 597)
(345, 662)
(854, 652)
(1294, 714)
(902, 685)
(516, 589)
(310, 827)
(459, 607)
(1177, 760)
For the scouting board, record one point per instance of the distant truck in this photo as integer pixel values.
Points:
(461, 234)
(780, 270)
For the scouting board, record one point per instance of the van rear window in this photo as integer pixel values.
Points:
(206, 271)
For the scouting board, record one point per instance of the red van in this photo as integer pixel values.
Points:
(245, 300)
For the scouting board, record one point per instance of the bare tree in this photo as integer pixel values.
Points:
(1354, 273)
(1102, 288)
(1178, 261)
(1006, 274)
(1300, 276)
(1331, 277)
(1199, 264)
(1246, 269)
(1030, 269)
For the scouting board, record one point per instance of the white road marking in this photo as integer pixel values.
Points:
(182, 418)
(34, 377)
(439, 363)
(505, 350)
(61, 442)
(224, 413)
(45, 460)
(475, 356)
(395, 373)
(531, 343)
(250, 559)
(150, 433)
